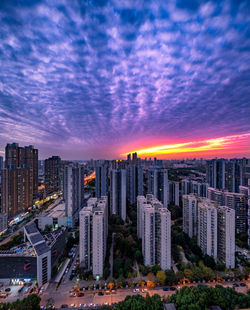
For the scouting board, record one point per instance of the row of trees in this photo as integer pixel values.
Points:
(32, 302)
(200, 297)
(196, 298)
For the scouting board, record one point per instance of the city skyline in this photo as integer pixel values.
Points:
(99, 79)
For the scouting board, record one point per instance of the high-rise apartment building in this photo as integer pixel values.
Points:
(118, 192)
(93, 234)
(101, 180)
(73, 191)
(52, 170)
(174, 193)
(226, 236)
(19, 178)
(207, 227)
(155, 231)
(158, 184)
(189, 207)
(134, 182)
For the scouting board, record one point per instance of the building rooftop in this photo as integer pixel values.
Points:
(31, 229)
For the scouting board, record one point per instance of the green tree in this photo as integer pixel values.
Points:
(170, 277)
(161, 277)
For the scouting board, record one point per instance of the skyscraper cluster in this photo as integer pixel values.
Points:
(227, 174)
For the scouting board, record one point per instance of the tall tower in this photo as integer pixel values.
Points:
(73, 191)
(118, 192)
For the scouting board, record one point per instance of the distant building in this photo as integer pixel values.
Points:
(73, 191)
(93, 235)
(101, 180)
(174, 193)
(226, 174)
(207, 228)
(194, 187)
(189, 205)
(52, 170)
(155, 231)
(134, 182)
(118, 192)
(158, 184)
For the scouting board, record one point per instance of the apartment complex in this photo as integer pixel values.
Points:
(236, 201)
(101, 180)
(194, 187)
(154, 228)
(93, 235)
(227, 174)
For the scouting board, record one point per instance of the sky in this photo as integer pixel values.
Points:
(98, 79)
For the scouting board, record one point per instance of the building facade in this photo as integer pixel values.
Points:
(207, 228)
(52, 171)
(93, 235)
(226, 236)
(189, 207)
(118, 192)
(73, 191)
(154, 228)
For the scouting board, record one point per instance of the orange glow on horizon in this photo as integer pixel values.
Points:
(236, 144)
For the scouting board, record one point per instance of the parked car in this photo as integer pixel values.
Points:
(235, 285)
(8, 289)
(241, 284)
(172, 288)
(165, 289)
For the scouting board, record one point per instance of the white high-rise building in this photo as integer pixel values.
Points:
(207, 227)
(93, 234)
(73, 191)
(154, 228)
(189, 207)
(141, 200)
(118, 192)
(226, 236)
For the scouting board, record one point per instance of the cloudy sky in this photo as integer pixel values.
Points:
(97, 79)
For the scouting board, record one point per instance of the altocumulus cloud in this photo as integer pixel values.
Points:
(85, 78)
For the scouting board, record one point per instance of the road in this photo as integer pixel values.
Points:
(54, 204)
(61, 296)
